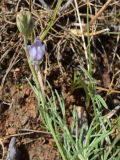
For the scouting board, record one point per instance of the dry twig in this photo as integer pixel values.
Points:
(65, 6)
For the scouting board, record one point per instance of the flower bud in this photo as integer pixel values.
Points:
(25, 22)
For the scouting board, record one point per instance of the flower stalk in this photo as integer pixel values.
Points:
(35, 72)
(34, 54)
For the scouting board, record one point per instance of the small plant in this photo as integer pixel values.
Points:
(74, 143)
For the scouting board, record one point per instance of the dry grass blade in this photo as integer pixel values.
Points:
(100, 11)
(78, 33)
(113, 112)
(81, 29)
(2, 149)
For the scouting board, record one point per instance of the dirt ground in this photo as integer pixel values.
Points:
(64, 53)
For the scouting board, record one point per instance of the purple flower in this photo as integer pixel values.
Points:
(36, 51)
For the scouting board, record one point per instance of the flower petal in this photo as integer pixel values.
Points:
(37, 50)
(38, 42)
(33, 52)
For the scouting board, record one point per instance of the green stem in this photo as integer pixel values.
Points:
(88, 40)
(52, 21)
(30, 65)
(55, 138)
